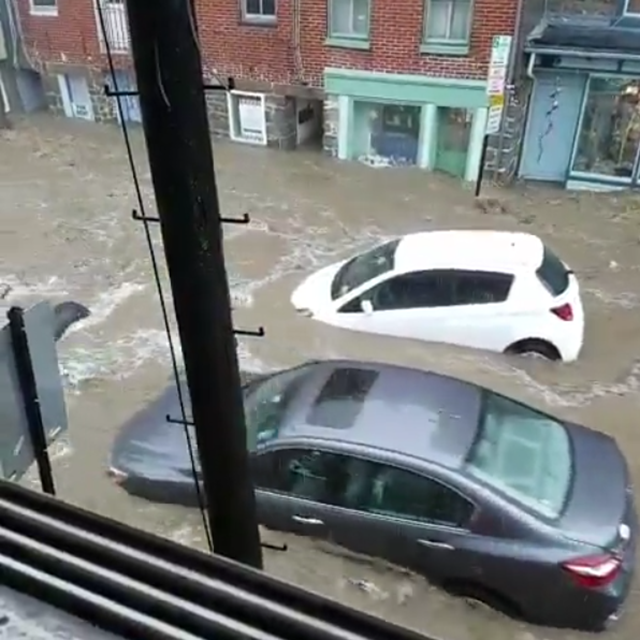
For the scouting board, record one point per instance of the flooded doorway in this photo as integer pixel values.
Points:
(453, 138)
(309, 127)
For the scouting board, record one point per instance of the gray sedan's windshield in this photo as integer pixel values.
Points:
(364, 267)
(266, 403)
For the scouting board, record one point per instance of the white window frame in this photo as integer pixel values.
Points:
(628, 12)
(447, 40)
(5, 97)
(36, 10)
(233, 122)
(352, 34)
(258, 17)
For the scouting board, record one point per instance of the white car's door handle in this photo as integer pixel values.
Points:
(434, 544)
(305, 520)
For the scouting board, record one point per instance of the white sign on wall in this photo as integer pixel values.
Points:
(496, 80)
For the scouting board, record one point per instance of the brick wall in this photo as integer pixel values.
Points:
(268, 53)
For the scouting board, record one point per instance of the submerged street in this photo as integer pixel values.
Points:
(66, 195)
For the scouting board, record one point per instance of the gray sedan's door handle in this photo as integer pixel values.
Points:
(305, 520)
(434, 544)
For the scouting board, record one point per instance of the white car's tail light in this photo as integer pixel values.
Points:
(564, 312)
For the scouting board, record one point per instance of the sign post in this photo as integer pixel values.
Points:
(496, 85)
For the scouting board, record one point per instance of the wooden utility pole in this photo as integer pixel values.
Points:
(168, 66)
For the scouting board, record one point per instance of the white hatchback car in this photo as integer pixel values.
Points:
(494, 290)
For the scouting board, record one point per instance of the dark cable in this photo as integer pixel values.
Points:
(156, 274)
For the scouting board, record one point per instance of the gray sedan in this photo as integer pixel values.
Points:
(488, 497)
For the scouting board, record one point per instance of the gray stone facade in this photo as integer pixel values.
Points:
(330, 132)
(503, 152)
(104, 107)
(218, 113)
(281, 122)
(280, 110)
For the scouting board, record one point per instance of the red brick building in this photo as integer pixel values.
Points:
(403, 80)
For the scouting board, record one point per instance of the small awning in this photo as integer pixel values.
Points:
(583, 37)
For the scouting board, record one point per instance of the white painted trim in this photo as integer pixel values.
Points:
(476, 140)
(345, 122)
(43, 11)
(5, 97)
(232, 97)
(428, 136)
(65, 95)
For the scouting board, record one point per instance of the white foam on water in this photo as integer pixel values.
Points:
(19, 289)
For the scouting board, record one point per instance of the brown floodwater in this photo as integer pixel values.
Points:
(66, 195)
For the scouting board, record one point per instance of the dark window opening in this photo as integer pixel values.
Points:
(402, 494)
(553, 273)
(342, 398)
(304, 473)
(482, 287)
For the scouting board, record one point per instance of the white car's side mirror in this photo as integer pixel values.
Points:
(366, 306)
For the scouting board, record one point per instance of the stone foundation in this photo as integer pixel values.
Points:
(218, 113)
(280, 111)
(503, 152)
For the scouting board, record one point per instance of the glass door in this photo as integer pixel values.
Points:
(454, 134)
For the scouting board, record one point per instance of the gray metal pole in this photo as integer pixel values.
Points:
(168, 66)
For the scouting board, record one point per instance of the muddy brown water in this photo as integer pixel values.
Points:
(65, 199)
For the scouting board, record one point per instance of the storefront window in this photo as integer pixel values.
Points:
(388, 133)
(610, 129)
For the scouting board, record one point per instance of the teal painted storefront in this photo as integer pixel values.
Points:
(439, 121)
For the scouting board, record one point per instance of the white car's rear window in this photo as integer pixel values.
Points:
(524, 454)
(553, 273)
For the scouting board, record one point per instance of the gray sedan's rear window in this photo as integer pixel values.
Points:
(524, 454)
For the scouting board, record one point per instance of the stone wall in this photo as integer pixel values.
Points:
(218, 113)
(282, 128)
(280, 110)
(503, 152)
(330, 135)
(104, 107)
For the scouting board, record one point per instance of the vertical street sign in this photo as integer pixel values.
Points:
(496, 81)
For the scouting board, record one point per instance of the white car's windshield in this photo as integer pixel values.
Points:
(364, 267)
(523, 453)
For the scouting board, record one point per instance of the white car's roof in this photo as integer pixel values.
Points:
(502, 251)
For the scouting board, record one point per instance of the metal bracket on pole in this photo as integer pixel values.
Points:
(29, 392)
(130, 93)
(190, 423)
(243, 219)
(260, 333)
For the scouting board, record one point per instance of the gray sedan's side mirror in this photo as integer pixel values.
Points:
(366, 306)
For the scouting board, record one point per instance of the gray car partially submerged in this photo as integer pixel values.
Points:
(488, 497)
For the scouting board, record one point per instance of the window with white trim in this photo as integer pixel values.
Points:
(448, 21)
(349, 19)
(259, 10)
(43, 7)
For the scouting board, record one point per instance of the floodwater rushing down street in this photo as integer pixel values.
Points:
(66, 195)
